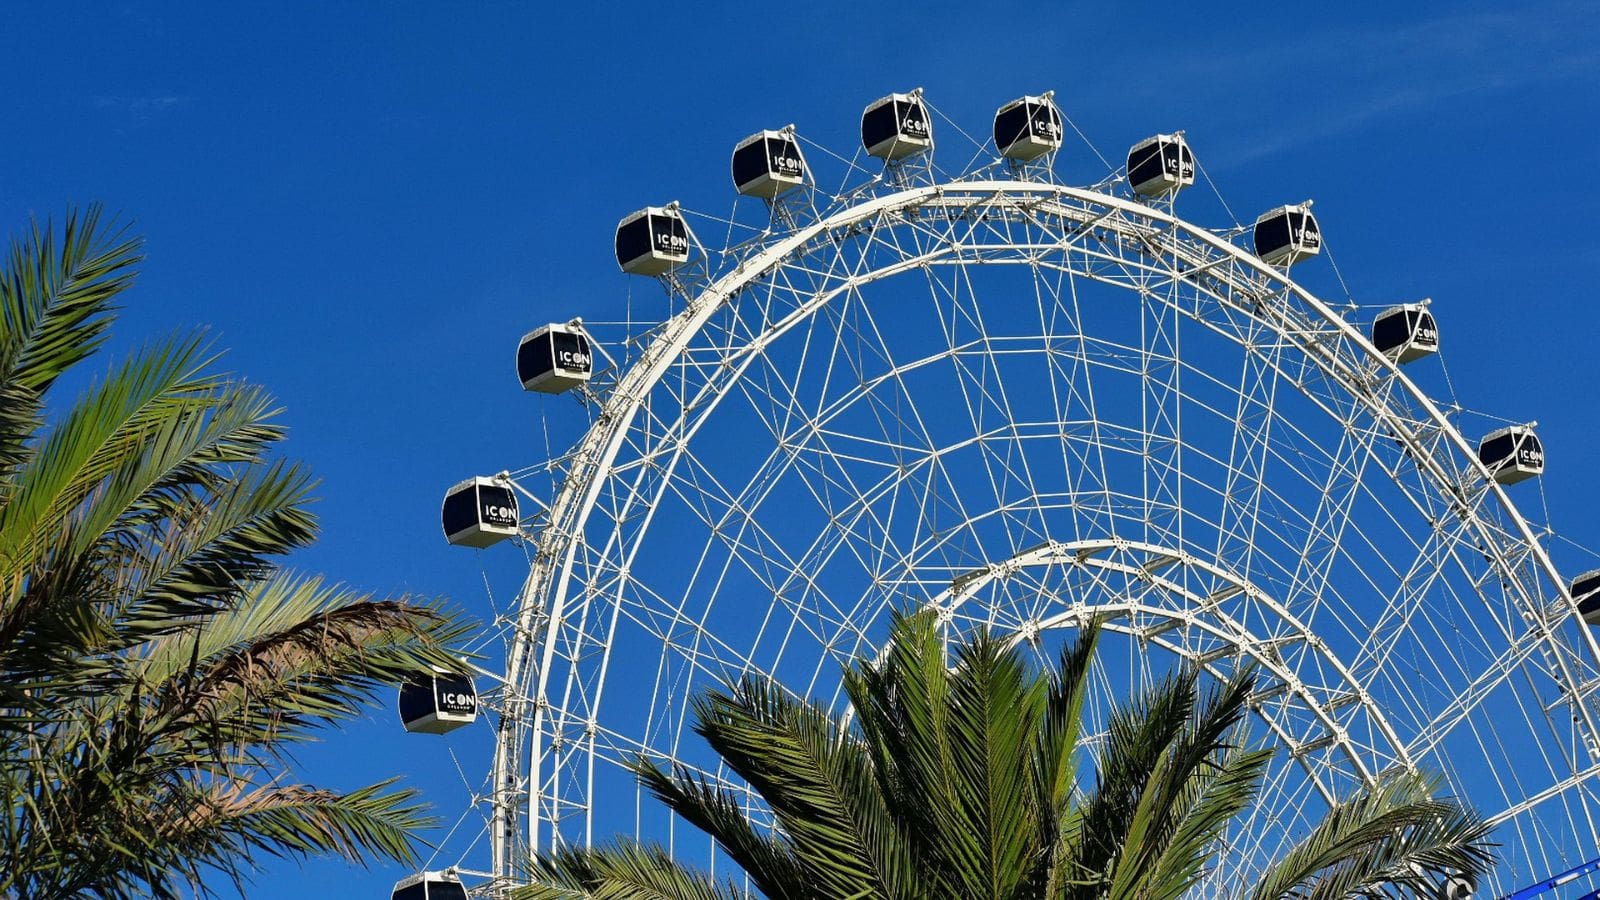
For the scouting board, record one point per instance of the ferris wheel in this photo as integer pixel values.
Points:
(1024, 403)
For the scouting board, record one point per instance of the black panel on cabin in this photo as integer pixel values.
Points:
(750, 162)
(1185, 160)
(633, 240)
(1010, 125)
(1588, 607)
(1496, 451)
(570, 351)
(1304, 225)
(534, 358)
(913, 119)
(454, 694)
(1585, 587)
(671, 234)
(498, 505)
(1272, 234)
(460, 510)
(1144, 164)
(1046, 121)
(416, 699)
(783, 155)
(879, 124)
(1391, 331)
(1426, 330)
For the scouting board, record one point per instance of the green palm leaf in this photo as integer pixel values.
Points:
(818, 781)
(1398, 834)
(155, 662)
(624, 872)
(54, 306)
(769, 861)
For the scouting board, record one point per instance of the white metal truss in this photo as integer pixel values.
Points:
(1233, 471)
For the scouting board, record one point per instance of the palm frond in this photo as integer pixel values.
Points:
(1200, 816)
(54, 300)
(902, 706)
(200, 828)
(154, 662)
(1137, 739)
(54, 309)
(767, 859)
(295, 654)
(1395, 833)
(996, 711)
(211, 546)
(818, 782)
(106, 431)
(626, 871)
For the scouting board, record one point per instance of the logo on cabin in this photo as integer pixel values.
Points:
(495, 514)
(457, 702)
(672, 243)
(572, 359)
(786, 165)
(1532, 456)
(914, 126)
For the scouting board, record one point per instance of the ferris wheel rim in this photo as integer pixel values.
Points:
(575, 501)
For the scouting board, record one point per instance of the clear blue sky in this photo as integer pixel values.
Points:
(368, 204)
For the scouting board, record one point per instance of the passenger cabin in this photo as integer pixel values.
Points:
(438, 703)
(1405, 333)
(1512, 454)
(653, 241)
(1458, 887)
(1028, 127)
(429, 886)
(479, 512)
(1288, 234)
(1586, 593)
(768, 163)
(896, 126)
(1160, 165)
(554, 358)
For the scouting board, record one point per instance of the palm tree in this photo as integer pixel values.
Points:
(157, 665)
(958, 775)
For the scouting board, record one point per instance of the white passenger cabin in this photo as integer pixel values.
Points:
(768, 163)
(438, 703)
(554, 358)
(1160, 165)
(896, 126)
(653, 241)
(1512, 454)
(1286, 235)
(429, 886)
(1028, 127)
(1406, 333)
(1586, 593)
(479, 512)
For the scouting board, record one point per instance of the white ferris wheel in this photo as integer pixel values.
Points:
(1024, 403)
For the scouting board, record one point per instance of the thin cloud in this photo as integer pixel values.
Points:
(1338, 80)
(142, 109)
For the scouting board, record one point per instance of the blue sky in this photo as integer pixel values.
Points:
(368, 204)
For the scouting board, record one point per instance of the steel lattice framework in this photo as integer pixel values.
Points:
(1025, 403)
